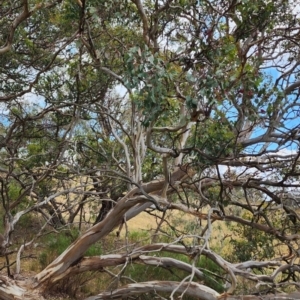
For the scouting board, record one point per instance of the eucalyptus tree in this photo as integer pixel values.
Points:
(143, 105)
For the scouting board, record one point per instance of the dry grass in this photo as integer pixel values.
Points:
(143, 221)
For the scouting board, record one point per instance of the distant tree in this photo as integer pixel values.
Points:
(131, 106)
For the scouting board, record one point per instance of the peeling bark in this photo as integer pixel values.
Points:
(17, 290)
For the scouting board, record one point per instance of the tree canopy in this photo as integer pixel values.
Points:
(175, 108)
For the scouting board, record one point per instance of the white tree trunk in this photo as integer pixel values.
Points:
(193, 289)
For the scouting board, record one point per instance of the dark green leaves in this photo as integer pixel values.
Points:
(150, 80)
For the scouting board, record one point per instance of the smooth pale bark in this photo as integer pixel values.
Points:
(96, 263)
(74, 253)
(193, 289)
(71, 261)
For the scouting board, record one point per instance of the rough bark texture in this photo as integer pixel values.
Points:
(17, 290)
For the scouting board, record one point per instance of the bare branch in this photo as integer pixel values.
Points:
(191, 289)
